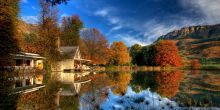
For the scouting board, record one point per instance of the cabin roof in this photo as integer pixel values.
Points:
(28, 55)
(69, 50)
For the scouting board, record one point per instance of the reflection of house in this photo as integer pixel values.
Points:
(72, 59)
(75, 80)
(28, 80)
(28, 61)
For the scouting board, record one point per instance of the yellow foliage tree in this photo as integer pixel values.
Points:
(120, 54)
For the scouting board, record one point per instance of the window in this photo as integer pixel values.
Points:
(28, 62)
(19, 62)
(28, 82)
(18, 83)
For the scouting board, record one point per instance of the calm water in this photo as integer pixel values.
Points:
(191, 88)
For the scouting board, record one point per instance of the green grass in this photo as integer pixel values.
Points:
(210, 67)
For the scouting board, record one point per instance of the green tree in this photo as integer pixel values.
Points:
(135, 53)
(148, 54)
(70, 34)
(55, 2)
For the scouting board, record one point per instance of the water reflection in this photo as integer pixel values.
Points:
(43, 99)
(119, 82)
(200, 88)
(168, 83)
(191, 88)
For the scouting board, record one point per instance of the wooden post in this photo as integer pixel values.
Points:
(57, 99)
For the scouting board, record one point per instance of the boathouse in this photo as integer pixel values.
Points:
(72, 59)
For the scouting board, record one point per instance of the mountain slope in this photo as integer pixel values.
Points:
(197, 41)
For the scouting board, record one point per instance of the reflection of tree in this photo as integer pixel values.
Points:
(120, 82)
(8, 100)
(143, 79)
(42, 99)
(96, 92)
(195, 73)
(69, 103)
(165, 83)
(168, 83)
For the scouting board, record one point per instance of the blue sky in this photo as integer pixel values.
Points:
(132, 21)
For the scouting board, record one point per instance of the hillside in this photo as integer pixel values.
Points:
(197, 41)
(26, 35)
(26, 28)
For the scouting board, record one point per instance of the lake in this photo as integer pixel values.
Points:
(87, 90)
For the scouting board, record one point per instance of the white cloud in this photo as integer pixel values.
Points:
(131, 41)
(102, 12)
(113, 20)
(209, 8)
(116, 28)
(30, 19)
(24, 1)
(64, 15)
(33, 7)
(147, 31)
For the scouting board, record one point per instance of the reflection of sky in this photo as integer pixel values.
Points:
(133, 21)
(143, 99)
(192, 85)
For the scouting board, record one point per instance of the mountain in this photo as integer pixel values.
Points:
(197, 41)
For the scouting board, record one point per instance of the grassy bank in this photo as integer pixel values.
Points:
(210, 67)
(138, 68)
(204, 67)
(158, 68)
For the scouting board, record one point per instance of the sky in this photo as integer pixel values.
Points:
(132, 21)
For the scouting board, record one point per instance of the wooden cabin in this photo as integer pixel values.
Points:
(26, 64)
(28, 61)
(72, 59)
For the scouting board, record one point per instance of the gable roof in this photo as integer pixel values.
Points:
(69, 50)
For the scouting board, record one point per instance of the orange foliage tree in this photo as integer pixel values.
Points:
(120, 54)
(94, 46)
(168, 83)
(195, 64)
(167, 54)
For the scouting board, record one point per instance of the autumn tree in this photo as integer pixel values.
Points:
(70, 34)
(167, 54)
(135, 53)
(49, 31)
(120, 53)
(9, 10)
(95, 46)
(195, 64)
